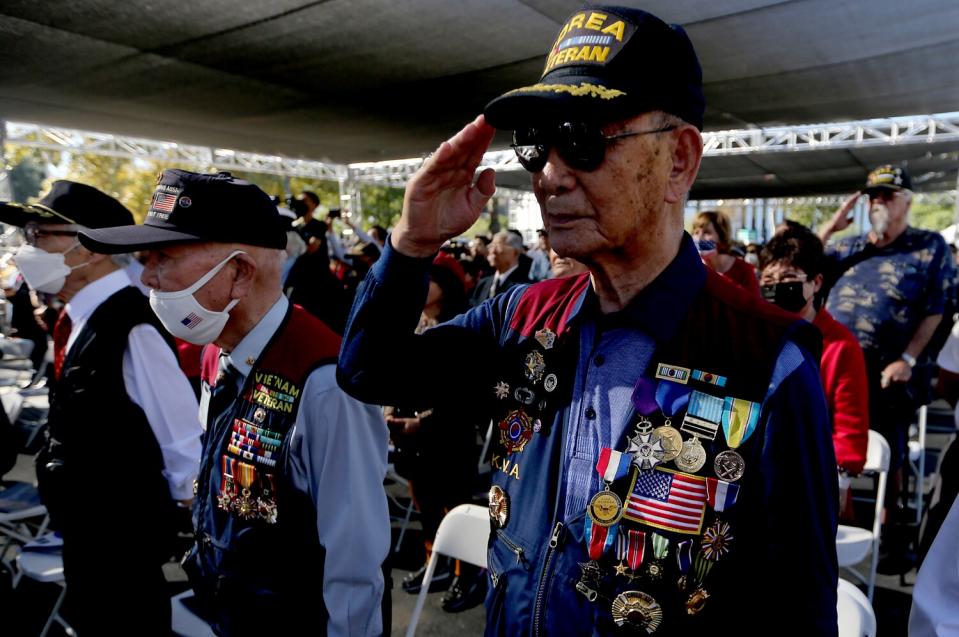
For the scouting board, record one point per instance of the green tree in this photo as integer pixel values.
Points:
(932, 214)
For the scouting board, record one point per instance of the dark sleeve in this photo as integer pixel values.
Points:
(801, 498)
(383, 361)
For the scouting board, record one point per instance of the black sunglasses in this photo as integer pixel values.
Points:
(582, 146)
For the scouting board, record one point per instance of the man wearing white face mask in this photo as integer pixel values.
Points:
(891, 287)
(290, 480)
(123, 441)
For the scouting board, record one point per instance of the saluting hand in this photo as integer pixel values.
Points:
(442, 201)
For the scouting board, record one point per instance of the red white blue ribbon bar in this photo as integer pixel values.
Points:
(720, 494)
(599, 539)
(612, 465)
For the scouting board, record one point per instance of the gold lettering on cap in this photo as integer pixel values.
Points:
(596, 21)
(577, 20)
(617, 28)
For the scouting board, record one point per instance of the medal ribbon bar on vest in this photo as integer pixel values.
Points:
(612, 465)
(740, 418)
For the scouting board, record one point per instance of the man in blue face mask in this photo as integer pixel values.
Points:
(122, 429)
(292, 470)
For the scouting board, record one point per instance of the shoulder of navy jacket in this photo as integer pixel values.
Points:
(549, 304)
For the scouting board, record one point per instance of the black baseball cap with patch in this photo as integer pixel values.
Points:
(609, 63)
(888, 177)
(69, 202)
(189, 207)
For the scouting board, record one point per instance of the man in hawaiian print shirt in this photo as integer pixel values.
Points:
(891, 286)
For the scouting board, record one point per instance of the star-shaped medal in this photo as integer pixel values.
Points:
(621, 569)
(647, 450)
(502, 390)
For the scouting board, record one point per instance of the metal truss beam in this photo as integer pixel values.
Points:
(69, 140)
(895, 131)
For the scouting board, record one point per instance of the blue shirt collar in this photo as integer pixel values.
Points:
(248, 350)
(661, 306)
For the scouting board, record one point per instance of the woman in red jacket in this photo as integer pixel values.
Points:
(791, 277)
(714, 225)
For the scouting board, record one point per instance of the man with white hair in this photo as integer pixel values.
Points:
(891, 287)
(504, 251)
(291, 520)
(123, 444)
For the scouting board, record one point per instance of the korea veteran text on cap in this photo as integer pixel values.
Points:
(189, 207)
(609, 63)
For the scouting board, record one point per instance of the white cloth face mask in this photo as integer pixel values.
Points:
(184, 317)
(44, 271)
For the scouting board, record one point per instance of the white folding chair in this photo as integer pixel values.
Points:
(856, 617)
(463, 535)
(917, 461)
(186, 623)
(407, 508)
(47, 567)
(854, 543)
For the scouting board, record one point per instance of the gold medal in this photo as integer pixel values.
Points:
(696, 601)
(729, 466)
(244, 505)
(692, 457)
(605, 508)
(498, 507)
(671, 440)
(637, 610)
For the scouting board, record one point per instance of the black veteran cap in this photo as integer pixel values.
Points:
(69, 202)
(188, 207)
(609, 63)
(888, 178)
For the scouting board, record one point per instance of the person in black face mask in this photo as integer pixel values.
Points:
(791, 277)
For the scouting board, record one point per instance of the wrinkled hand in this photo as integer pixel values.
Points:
(442, 201)
(840, 221)
(896, 372)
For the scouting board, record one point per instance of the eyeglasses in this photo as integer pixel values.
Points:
(785, 277)
(33, 232)
(582, 146)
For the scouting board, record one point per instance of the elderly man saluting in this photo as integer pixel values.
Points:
(663, 461)
(291, 519)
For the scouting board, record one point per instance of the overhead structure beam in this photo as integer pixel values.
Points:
(894, 131)
(204, 158)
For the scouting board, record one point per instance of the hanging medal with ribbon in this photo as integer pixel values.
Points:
(717, 541)
(224, 499)
(245, 505)
(657, 567)
(605, 509)
(697, 599)
(671, 398)
(630, 550)
(645, 446)
(266, 503)
(684, 561)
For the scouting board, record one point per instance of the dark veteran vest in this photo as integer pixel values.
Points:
(257, 565)
(672, 545)
(98, 439)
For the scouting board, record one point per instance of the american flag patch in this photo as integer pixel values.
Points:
(191, 321)
(164, 202)
(668, 500)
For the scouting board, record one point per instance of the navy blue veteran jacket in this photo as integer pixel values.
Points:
(726, 524)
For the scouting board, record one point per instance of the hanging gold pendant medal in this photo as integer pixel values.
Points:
(692, 457)
(605, 508)
(671, 440)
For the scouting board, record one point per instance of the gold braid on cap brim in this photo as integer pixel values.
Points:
(581, 90)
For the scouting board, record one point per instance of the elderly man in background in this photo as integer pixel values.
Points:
(123, 438)
(504, 252)
(291, 521)
(890, 287)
